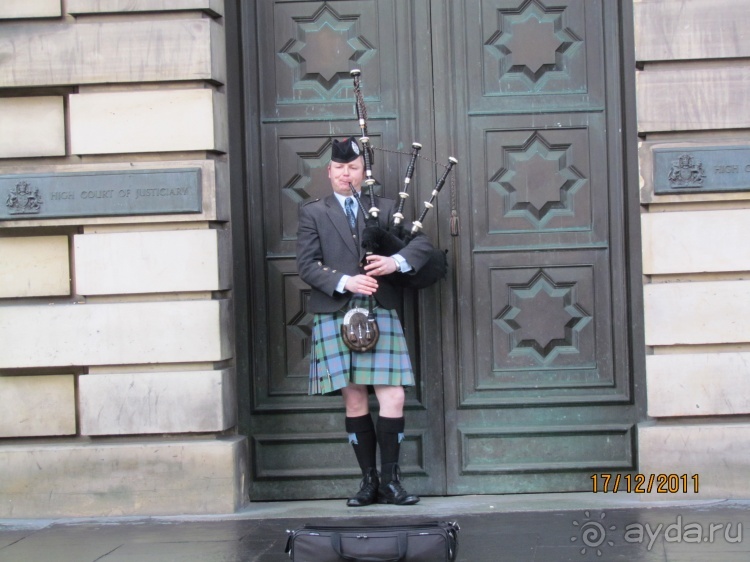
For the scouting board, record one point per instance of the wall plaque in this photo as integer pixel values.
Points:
(710, 169)
(100, 194)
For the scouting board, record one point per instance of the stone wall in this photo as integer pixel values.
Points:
(692, 88)
(116, 372)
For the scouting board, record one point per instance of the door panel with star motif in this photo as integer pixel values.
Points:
(305, 52)
(539, 385)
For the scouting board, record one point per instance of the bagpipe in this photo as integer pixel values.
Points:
(392, 239)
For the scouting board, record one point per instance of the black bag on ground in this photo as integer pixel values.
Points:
(425, 542)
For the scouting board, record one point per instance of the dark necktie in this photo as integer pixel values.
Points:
(350, 213)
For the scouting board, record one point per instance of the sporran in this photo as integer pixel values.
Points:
(360, 330)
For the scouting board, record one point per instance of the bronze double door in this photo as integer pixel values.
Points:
(523, 353)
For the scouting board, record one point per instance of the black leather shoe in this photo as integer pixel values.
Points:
(368, 490)
(393, 492)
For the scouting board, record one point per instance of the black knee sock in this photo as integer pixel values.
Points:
(362, 437)
(389, 431)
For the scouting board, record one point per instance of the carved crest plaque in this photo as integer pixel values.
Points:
(686, 172)
(23, 199)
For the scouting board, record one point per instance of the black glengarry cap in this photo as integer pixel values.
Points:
(345, 151)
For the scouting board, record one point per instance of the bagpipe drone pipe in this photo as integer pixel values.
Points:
(391, 240)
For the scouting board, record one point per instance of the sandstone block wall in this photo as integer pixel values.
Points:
(692, 86)
(116, 374)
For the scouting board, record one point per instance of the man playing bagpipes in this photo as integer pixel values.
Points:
(345, 277)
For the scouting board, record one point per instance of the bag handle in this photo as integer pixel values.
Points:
(402, 545)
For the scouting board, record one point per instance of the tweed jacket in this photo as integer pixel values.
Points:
(327, 250)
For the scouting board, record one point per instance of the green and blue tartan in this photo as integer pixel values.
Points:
(333, 365)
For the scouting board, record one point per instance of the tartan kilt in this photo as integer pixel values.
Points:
(333, 365)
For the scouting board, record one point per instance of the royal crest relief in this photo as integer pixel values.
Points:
(686, 172)
(24, 200)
